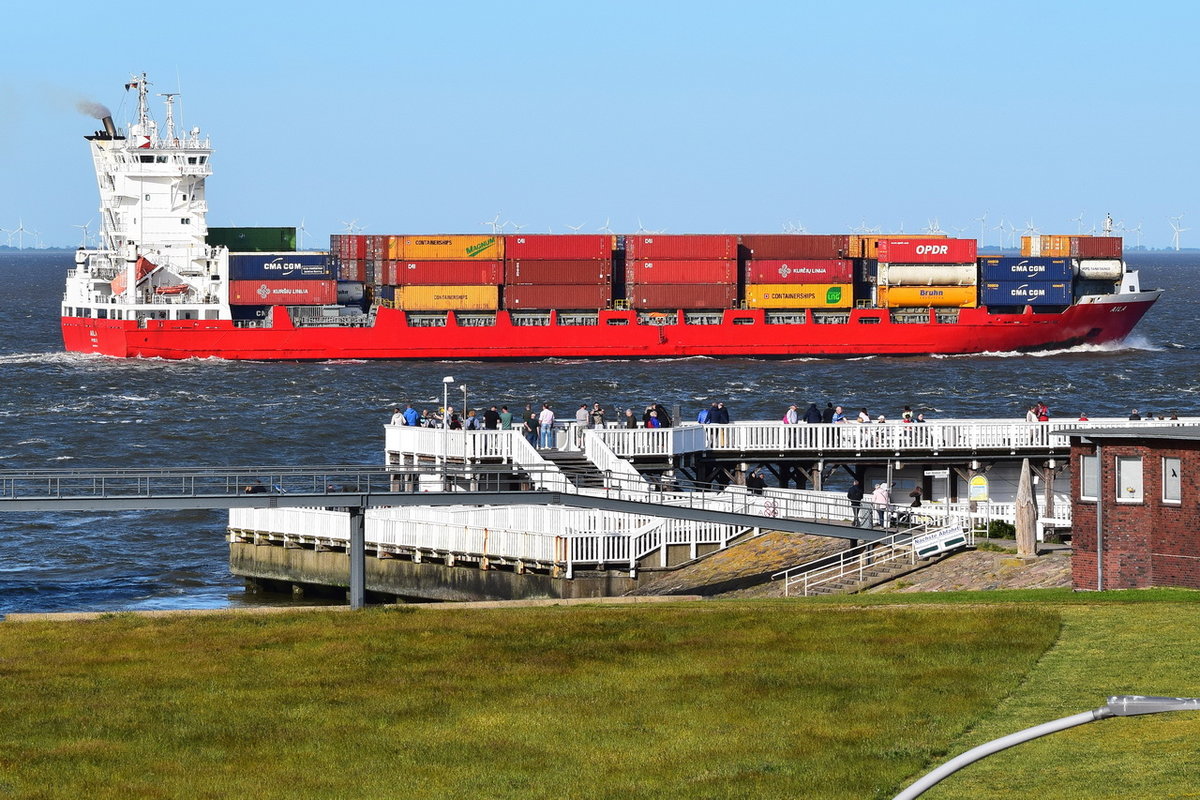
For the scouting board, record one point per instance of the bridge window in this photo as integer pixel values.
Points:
(1089, 478)
(1172, 491)
(1129, 479)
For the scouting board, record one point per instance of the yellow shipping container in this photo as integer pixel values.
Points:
(929, 297)
(393, 247)
(868, 246)
(452, 247)
(448, 298)
(799, 295)
(1056, 247)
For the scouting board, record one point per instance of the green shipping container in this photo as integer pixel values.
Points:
(254, 240)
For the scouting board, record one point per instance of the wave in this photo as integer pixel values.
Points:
(1138, 343)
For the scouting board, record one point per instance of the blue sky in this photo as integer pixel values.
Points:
(684, 117)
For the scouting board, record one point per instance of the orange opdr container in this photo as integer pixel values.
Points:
(930, 297)
(452, 247)
(793, 295)
(868, 246)
(447, 298)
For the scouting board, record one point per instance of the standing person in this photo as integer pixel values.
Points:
(630, 420)
(597, 420)
(653, 421)
(839, 415)
(813, 415)
(646, 416)
(863, 416)
(491, 419)
(855, 496)
(506, 419)
(529, 426)
(472, 422)
(702, 417)
(882, 498)
(920, 416)
(1043, 412)
(755, 483)
(397, 417)
(722, 415)
(1135, 415)
(907, 415)
(581, 423)
(827, 413)
(664, 419)
(916, 494)
(546, 428)
(411, 417)
(791, 417)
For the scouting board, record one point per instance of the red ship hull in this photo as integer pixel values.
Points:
(1096, 320)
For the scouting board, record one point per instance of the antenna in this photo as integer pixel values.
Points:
(1108, 224)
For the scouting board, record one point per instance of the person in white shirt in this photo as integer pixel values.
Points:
(882, 498)
(546, 427)
(397, 416)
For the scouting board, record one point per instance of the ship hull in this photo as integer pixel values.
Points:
(1094, 320)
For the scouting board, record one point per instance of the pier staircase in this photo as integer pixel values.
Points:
(873, 563)
(577, 468)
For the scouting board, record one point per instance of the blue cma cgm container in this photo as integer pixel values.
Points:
(1022, 269)
(280, 267)
(1021, 293)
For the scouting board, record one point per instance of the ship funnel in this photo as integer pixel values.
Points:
(109, 127)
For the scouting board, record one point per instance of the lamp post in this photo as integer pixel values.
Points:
(446, 381)
(1119, 706)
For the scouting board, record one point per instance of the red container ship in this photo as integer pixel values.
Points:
(161, 288)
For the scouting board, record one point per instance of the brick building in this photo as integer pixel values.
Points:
(1135, 499)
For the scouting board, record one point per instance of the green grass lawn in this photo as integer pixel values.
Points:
(717, 699)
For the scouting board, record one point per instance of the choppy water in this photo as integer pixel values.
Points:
(59, 409)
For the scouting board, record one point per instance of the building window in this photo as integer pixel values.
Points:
(1129, 479)
(1089, 478)
(185, 220)
(1172, 491)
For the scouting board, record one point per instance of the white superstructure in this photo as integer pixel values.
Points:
(152, 225)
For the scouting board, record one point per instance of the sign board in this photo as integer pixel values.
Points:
(937, 473)
(977, 490)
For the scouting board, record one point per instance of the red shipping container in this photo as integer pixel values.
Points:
(565, 296)
(1096, 247)
(668, 297)
(443, 273)
(677, 272)
(348, 246)
(926, 251)
(282, 293)
(648, 246)
(794, 245)
(352, 270)
(593, 271)
(800, 270)
(556, 247)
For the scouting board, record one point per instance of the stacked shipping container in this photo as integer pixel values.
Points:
(288, 278)
(1106, 247)
(1025, 281)
(681, 272)
(927, 272)
(798, 271)
(570, 272)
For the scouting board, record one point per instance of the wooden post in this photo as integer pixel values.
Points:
(1026, 516)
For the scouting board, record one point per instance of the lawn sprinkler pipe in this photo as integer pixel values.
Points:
(1118, 706)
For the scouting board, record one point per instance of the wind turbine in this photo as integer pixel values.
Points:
(575, 228)
(85, 227)
(37, 240)
(303, 232)
(1178, 230)
(1000, 228)
(982, 225)
(934, 228)
(494, 222)
(353, 227)
(604, 228)
(21, 230)
(1078, 222)
(1031, 229)
(1138, 233)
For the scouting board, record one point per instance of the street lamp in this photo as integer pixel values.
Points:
(464, 408)
(1119, 706)
(446, 381)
